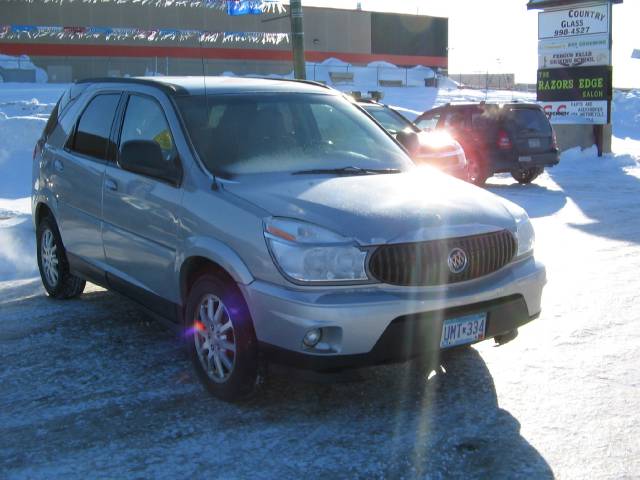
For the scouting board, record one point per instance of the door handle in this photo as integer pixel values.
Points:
(110, 184)
(58, 165)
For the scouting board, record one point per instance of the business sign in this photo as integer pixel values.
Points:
(574, 22)
(574, 51)
(574, 84)
(577, 58)
(577, 113)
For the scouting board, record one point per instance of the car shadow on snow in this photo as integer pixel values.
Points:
(398, 422)
(537, 200)
(605, 193)
(92, 385)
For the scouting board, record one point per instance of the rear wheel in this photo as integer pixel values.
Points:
(526, 175)
(52, 262)
(221, 339)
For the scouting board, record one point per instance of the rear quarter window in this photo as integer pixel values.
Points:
(63, 116)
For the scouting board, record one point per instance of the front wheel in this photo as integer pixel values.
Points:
(477, 172)
(526, 175)
(221, 339)
(52, 263)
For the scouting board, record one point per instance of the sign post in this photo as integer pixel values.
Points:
(297, 39)
(574, 84)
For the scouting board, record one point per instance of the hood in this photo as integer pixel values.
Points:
(418, 205)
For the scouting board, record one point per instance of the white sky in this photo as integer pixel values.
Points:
(501, 35)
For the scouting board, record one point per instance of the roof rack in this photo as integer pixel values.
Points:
(168, 87)
(172, 88)
(298, 80)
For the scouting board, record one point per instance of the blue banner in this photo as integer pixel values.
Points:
(244, 7)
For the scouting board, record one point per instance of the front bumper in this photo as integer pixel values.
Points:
(361, 323)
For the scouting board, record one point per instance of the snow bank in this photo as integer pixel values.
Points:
(364, 78)
(23, 62)
(17, 255)
(18, 136)
(22, 118)
(626, 114)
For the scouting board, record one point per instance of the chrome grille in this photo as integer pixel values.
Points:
(426, 263)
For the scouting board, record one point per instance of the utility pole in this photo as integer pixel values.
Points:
(297, 39)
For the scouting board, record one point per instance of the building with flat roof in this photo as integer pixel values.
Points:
(353, 36)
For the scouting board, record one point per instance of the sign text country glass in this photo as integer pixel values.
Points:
(574, 21)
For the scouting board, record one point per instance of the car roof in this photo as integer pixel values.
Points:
(460, 106)
(513, 104)
(198, 85)
(372, 105)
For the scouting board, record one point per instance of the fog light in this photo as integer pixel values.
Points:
(312, 337)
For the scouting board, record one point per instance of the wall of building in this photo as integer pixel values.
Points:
(345, 34)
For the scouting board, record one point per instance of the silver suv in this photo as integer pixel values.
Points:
(272, 221)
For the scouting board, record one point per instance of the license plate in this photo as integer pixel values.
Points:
(525, 159)
(534, 143)
(463, 330)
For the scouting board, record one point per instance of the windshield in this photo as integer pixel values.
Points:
(260, 133)
(528, 120)
(390, 120)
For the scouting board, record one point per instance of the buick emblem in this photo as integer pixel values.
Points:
(457, 261)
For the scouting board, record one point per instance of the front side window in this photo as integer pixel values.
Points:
(94, 127)
(428, 123)
(144, 120)
(258, 133)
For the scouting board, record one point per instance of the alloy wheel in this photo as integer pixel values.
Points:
(49, 257)
(214, 338)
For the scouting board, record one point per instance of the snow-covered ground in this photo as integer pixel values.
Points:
(91, 388)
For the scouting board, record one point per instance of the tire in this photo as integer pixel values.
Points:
(525, 176)
(217, 322)
(477, 172)
(53, 264)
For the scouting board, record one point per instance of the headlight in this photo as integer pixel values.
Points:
(308, 253)
(525, 234)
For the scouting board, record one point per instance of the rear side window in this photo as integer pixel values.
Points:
(485, 118)
(94, 127)
(456, 120)
(527, 120)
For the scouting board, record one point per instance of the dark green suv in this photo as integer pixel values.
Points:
(514, 137)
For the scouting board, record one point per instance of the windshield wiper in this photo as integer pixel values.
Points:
(348, 171)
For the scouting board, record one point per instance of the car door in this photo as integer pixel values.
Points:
(456, 121)
(140, 210)
(78, 170)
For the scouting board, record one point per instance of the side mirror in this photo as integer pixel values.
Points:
(410, 141)
(145, 157)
